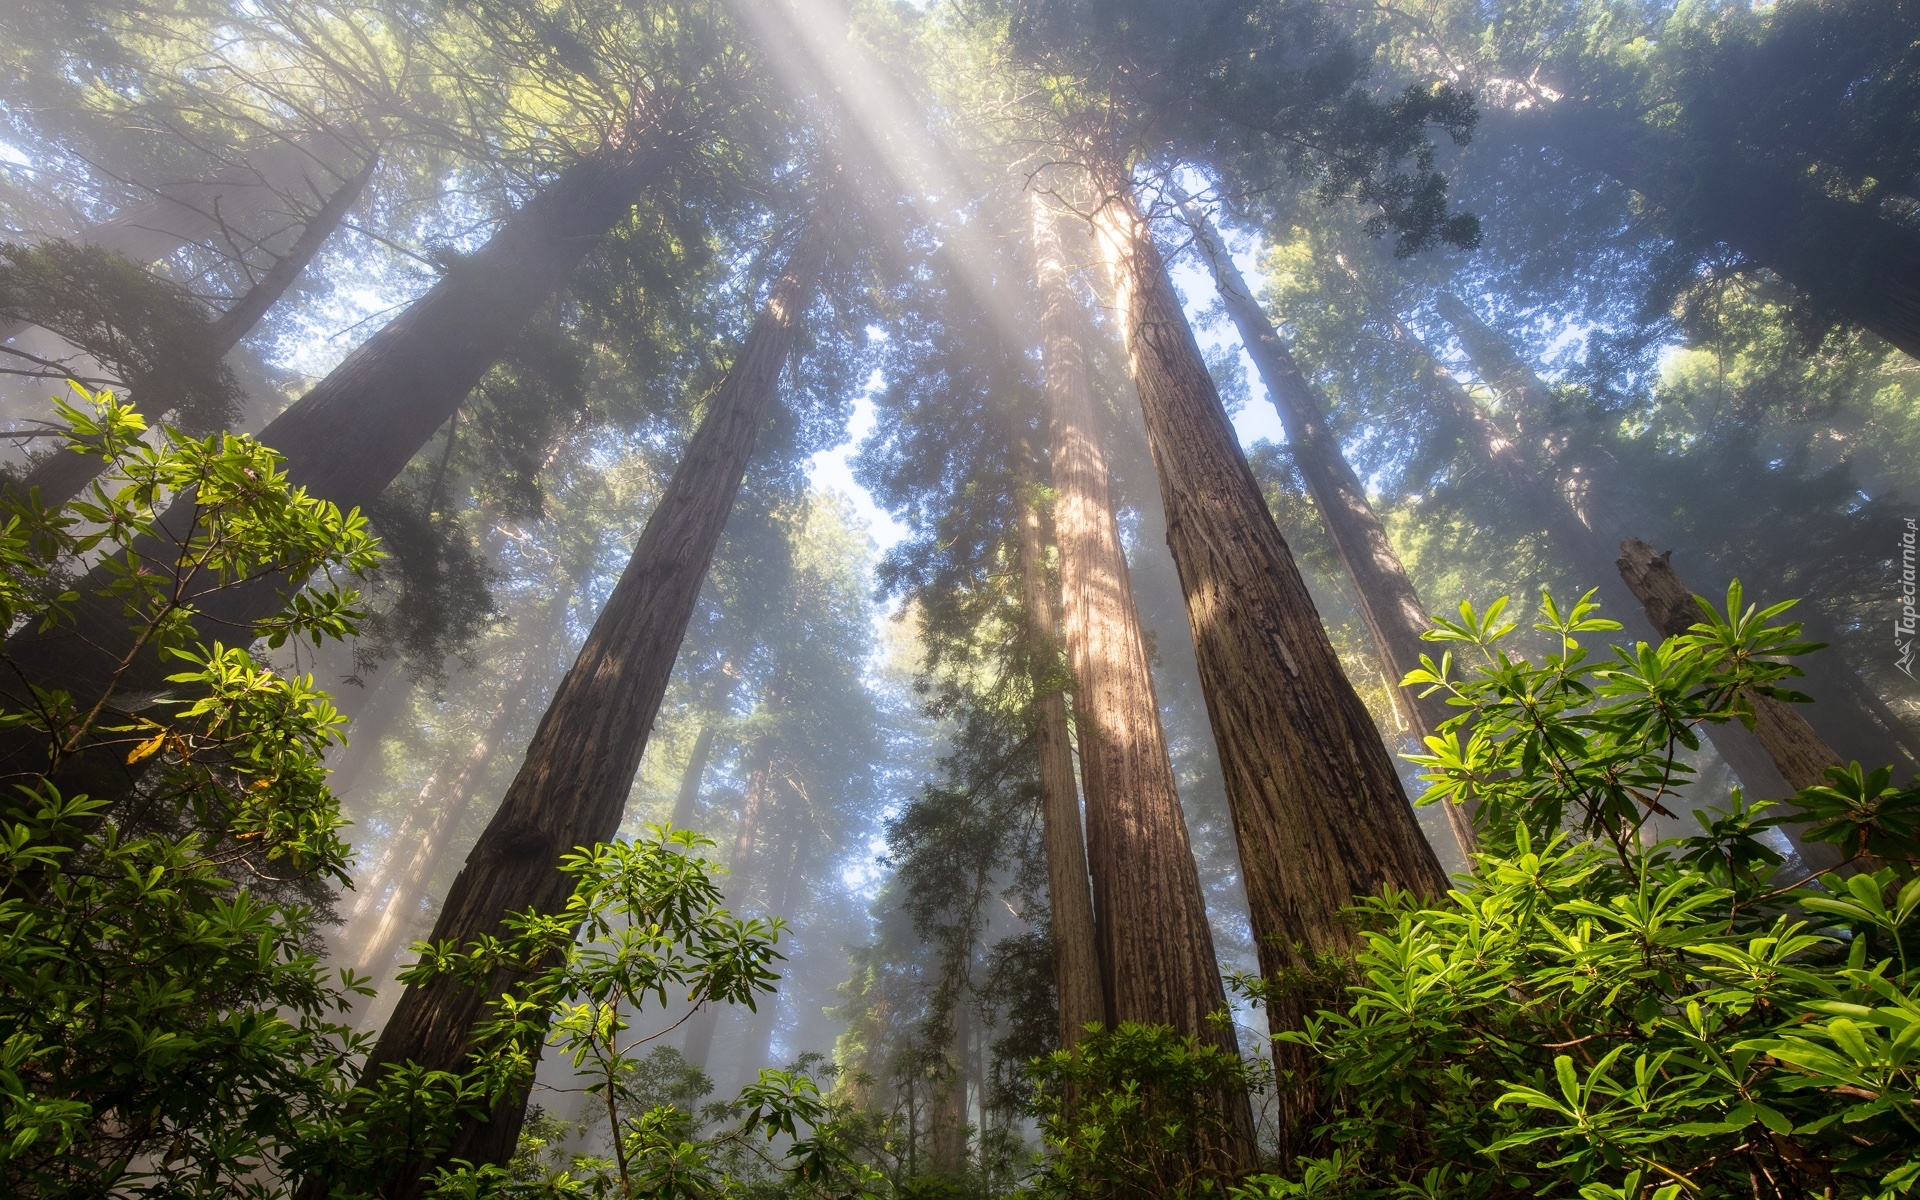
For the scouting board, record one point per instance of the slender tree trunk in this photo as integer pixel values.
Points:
(688, 797)
(1076, 955)
(61, 476)
(949, 1125)
(354, 431)
(1318, 808)
(1156, 948)
(573, 786)
(697, 1046)
(1389, 603)
(428, 837)
(1854, 719)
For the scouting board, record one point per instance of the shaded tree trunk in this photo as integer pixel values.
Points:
(1156, 948)
(688, 798)
(62, 475)
(1389, 603)
(354, 431)
(948, 1133)
(1318, 809)
(697, 1046)
(573, 786)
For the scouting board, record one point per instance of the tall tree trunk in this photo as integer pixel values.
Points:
(697, 1046)
(1156, 948)
(948, 1134)
(1847, 256)
(1318, 808)
(1076, 949)
(1848, 715)
(688, 798)
(1389, 603)
(62, 475)
(354, 431)
(573, 786)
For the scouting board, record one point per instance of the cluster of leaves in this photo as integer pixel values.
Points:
(1135, 1111)
(1592, 1012)
(165, 1016)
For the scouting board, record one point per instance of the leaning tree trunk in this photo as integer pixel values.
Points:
(1076, 955)
(687, 800)
(63, 475)
(354, 431)
(1318, 808)
(1156, 948)
(697, 1045)
(1389, 603)
(1855, 721)
(573, 785)
(1846, 255)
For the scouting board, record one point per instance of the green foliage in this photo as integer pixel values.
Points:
(166, 1020)
(1132, 1111)
(1592, 1013)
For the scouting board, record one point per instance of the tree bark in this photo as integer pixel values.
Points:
(1318, 808)
(64, 474)
(688, 797)
(354, 431)
(1389, 604)
(1076, 954)
(1156, 948)
(697, 1046)
(574, 783)
(948, 1134)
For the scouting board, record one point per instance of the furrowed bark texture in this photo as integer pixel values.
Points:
(354, 431)
(60, 477)
(1318, 808)
(1389, 603)
(1156, 948)
(1797, 751)
(573, 785)
(1076, 955)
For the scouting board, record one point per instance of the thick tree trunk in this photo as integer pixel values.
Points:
(1318, 808)
(62, 476)
(948, 1135)
(1389, 603)
(354, 431)
(1076, 953)
(574, 783)
(1156, 948)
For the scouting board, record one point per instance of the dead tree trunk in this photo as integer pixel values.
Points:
(1389, 603)
(1156, 948)
(573, 785)
(1318, 808)
(63, 475)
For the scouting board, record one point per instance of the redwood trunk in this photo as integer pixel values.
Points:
(354, 431)
(573, 786)
(1156, 948)
(63, 475)
(1389, 603)
(1318, 809)
(696, 770)
(697, 1047)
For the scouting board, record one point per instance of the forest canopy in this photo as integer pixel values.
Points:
(960, 599)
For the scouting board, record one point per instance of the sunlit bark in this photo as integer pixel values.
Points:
(1156, 949)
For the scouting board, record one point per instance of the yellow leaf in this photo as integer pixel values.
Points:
(148, 748)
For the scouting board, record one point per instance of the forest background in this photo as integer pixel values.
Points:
(845, 317)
